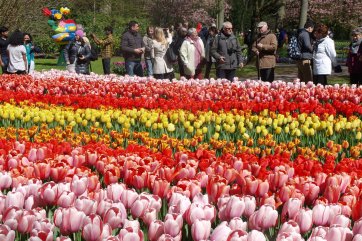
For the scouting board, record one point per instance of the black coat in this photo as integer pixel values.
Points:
(130, 42)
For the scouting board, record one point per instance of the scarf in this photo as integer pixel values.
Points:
(198, 50)
(355, 46)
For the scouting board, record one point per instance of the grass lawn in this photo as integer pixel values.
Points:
(285, 72)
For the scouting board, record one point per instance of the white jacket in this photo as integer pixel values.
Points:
(187, 54)
(324, 57)
(160, 63)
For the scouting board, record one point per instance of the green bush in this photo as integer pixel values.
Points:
(46, 44)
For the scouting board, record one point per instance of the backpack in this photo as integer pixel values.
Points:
(171, 55)
(94, 53)
(293, 48)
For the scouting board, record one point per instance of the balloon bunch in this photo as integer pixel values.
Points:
(64, 28)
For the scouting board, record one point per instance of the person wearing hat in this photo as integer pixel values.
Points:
(354, 58)
(265, 48)
(77, 54)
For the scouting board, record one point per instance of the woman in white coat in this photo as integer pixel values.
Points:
(162, 69)
(324, 55)
(192, 54)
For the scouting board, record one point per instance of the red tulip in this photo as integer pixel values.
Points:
(161, 187)
(216, 187)
(200, 230)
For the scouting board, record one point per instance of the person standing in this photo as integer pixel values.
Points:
(265, 48)
(106, 45)
(324, 55)
(4, 42)
(31, 49)
(17, 54)
(162, 69)
(77, 54)
(354, 58)
(192, 54)
(304, 64)
(227, 52)
(209, 59)
(132, 47)
(148, 42)
(178, 41)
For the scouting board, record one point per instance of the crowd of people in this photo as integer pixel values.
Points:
(194, 51)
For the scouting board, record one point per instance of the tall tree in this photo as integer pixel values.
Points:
(221, 13)
(303, 13)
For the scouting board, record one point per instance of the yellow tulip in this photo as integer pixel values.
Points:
(359, 135)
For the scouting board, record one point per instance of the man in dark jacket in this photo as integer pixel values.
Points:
(306, 48)
(4, 42)
(227, 52)
(133, 47)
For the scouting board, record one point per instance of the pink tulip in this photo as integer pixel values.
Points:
(107, 232)
(320, 214)
(277, 180)
(336, 232)
(291, 208)
(6, 234)
(155, 230)
(139, 207)
(239, 235)
(180, 203)
(357, 227)
(128, 234)
(48, 192)
(201, 199)
(128, 197)
(42, 170)
(92, 227)
(200, 230)
(26, 221)
(341, 220)
(289, 237)
(256, 235)
(289, 227)
(66, 199)
(221, 232)
(68, 220)
(266, 217)
(332, 193)
(334, 210)
(232, 209)
(15, 199)
(114, 191)
(310, 191)
(32, 155)
(41, 235)
(20, 147)
(5, 180)
(115, 217)
(91, 158)
(103, 206)
(79, 185)
(86, 205)
(304, 220)
(173, 224)
(319, 232)
(357, 237)
(149, 216)
(62, 238)
(11, 217)
(250, 205)
(238, 224)
(134, 224)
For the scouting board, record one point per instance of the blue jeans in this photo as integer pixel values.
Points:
(149, 67)
(134, 68)
(5, 60)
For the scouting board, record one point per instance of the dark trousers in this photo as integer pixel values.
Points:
(208, 69)
(226, 74)
(320, 79)
(267, 74)
(106, 63)
(180, 66)
(356, 79)
(134, 68)
(6, 63)
(169, 76)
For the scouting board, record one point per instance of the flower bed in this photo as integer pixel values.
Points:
(120, 158)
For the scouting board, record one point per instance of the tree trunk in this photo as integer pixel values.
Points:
(303, 13)
(281, 13)
(220, 14)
